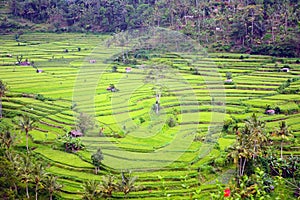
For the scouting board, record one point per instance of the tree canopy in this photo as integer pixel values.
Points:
(262, 26)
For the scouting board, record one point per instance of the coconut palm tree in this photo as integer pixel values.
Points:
(257, 139)
(91, 190)
(127, 184)
(51, 184)
(240, 153)
(26, 123)
(7, 138)
(107, 185)
(3, 89)
(37, 176)
(25, 168)
(283, 133)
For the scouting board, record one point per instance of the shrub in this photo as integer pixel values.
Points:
(228, 75)
(206, 169)
(142, 120)
(277, 110)
(220, 162)
(171, 122)
(40, 97)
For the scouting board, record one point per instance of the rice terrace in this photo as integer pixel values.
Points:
(145, 113)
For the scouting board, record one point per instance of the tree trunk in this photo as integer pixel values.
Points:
(243, 169)
(27, 141)
(16, 188)
(240, 167)
(286, 23)
(27, 193)
(36, 191)
(50, 196)
(0, 107)
(281, 147)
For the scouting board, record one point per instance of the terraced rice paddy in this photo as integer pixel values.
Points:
(161, 156)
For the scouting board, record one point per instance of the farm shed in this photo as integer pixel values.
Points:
(75, 133)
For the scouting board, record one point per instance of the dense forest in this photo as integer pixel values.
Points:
(252, 26)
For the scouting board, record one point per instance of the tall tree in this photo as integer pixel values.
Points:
(127, 183)
(283, 133)
(91, 190)
(97, 159)
(25, 168)
(8, 179)
(26, 123)
(250, 143)
(51, 184)
(37, 176)
(7, 137)
(108, 185)
(257, 137)
(85, 122)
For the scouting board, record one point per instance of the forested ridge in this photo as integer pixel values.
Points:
(257, 26)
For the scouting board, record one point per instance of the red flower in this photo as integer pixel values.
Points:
(226, 192)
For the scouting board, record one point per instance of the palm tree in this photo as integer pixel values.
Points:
(108, 185)
(51, 184)
(26, 123)
(7, 138)
(14, 160)
(127, 183)
(240, 153)
(257, 138)
(3, 89)
(24, 168)
(283, 133)
(91, 190)
(37, 175)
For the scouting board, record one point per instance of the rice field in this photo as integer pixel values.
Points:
(200, 103)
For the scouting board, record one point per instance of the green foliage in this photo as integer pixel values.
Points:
(40, 97)
(69, 143)
(255, 186)
(142, 120)
(283, 88)
(91, 190)
(97, 158)
(73, 169)
(108, 185)
(171, 122)
(228, 75)
(127, 183)
(241, 31)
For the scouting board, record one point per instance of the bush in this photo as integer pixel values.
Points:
(285, 49)
(228, 75)
(207, 169)
(220, 162)
(171, 122)
(142, 120)
(40, 97)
